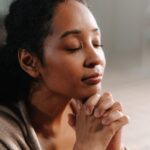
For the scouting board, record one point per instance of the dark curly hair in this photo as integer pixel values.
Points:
(27, 25)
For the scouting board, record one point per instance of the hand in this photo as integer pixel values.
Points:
(97, 123)
(111, 107)
(115, 143)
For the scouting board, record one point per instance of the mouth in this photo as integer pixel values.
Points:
(92, 79)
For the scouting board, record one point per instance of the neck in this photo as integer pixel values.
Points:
(47, 112)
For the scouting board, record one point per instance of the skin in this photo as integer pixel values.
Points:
(72, 52)
(106, 119)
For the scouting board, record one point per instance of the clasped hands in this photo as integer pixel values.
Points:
(98, 123)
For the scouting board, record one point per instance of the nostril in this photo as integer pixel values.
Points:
(89, 65)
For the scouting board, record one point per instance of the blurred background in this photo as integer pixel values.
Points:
(125, 27)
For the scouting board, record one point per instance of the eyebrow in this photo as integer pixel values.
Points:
(76, 31)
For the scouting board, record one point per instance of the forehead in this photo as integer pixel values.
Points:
(73, 15)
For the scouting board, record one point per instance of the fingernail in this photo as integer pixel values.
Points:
(78, 105)
(107, 105)
(89, 110)
(97, 113)
(105, 122)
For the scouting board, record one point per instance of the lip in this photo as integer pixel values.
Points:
(92, 79)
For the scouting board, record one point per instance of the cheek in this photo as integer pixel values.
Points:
(73, 69)
(67, 69)
(65, 76)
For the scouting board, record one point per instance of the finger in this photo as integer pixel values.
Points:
(75, 105)
(115, 126)
(113, 116)
(116, 143)
(91, 103)
(105, 103)
(115, 107)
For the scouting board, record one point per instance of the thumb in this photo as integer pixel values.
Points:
(112, 129)
(75, 106)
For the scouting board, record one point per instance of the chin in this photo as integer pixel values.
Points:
(88, 93)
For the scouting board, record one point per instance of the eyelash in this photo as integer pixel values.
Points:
(74, 49)
(78, 48)
(99, 45)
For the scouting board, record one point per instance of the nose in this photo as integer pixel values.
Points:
(94, 57)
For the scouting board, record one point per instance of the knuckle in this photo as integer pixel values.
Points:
(106, 104)
(93, 100)
(118, 106)
(107, 94)
(116, 114)
(101, 106)
(112, 128)
(126, 119)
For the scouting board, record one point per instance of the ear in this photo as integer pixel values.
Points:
(28, 62)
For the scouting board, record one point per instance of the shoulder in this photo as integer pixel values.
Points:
(12, 134)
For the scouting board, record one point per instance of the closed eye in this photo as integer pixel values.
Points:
(74, 48)
(98, 45)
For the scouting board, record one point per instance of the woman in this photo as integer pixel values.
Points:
(51, 72)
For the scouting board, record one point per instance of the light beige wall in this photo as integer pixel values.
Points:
(104, 13)
(123, 24)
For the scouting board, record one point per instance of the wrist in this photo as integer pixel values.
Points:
(81, 146)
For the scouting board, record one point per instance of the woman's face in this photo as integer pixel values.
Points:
(73, 58)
